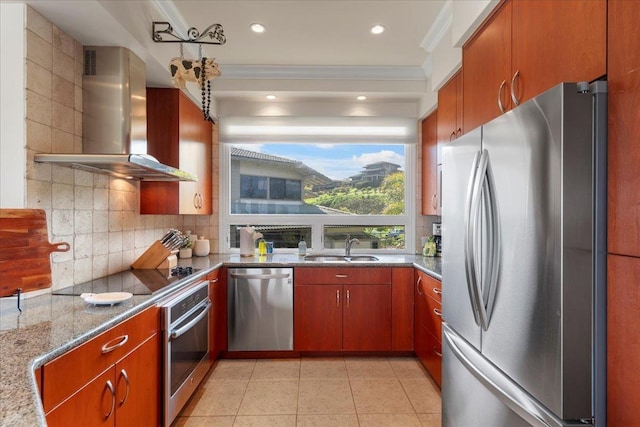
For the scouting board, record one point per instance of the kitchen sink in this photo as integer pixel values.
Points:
(355, 258)
(340, 258)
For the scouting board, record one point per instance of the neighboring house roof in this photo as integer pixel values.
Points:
(378, 165)
(310, 176)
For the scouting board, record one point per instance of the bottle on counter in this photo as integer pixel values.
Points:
(262, 247)
(302, 246)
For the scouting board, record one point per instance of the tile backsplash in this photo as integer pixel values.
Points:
(98, 215)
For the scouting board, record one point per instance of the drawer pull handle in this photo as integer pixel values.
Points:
(437, 312)
(124, 375)
(437, 291)
(109, 348)
(452, 136)
(418, 285)
(113, 399)
(435, 350)
(514, 98)
(500, 105)
(434, 201)
(342, 276)
(337, 298)
(216, 280)
(347, 298)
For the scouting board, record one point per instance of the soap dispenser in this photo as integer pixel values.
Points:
(302, 246)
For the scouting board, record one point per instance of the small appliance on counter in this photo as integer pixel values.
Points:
(437, 237)
(248, 237)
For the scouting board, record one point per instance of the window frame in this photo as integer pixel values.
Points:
(317, 222)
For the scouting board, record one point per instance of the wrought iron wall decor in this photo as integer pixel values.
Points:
(215, 33)
(201, 70)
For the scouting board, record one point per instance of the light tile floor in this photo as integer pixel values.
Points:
(315, 392)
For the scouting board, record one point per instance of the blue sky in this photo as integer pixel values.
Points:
(337, 161)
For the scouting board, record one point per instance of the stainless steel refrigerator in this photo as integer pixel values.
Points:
(524, 274)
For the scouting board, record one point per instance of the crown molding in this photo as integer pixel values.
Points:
(427, 65)
(440, 26)
(305, 72)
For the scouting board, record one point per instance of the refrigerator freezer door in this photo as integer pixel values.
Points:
(459, 162)
(540, 330)
(476, 393)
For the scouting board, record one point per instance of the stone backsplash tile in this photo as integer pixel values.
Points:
(63, 65)
(63, 42)
(39, 51)
(63, 91)
(62, 196)
(62, 118)
(83, 246)
(38, 136)
(38, 108)
(61, 141)
(39, 25)
(83, 197)
(83, 221)
(39, 79)
(100, 221)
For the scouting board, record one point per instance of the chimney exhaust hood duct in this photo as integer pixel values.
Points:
(114, 120)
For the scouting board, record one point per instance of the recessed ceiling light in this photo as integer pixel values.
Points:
(377, 29)
(257, 28)
(271, 97)
(361, 98)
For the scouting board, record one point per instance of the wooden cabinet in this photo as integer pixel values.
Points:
(624, 129)
(428, 323)
(402, 312)
(430, 161)
(527, 47)
(177, 136)
(113, 379)
(218, 316)
(342, 309)
(623, 345)
(450, 111)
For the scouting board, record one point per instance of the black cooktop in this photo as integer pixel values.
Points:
(138, 282)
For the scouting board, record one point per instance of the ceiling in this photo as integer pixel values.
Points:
(310, 50)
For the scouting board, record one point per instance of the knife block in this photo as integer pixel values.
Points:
(153, 257)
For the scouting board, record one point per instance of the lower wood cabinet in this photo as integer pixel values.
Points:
(218, 317)
(112, 380)
(355, 316)
(428, 323)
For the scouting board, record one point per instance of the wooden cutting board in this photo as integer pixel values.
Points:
(25, 251)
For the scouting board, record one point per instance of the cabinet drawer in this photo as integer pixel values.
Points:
(433, 317)
(342, 276)
(430, 286)
(433, 358)
(69, 372)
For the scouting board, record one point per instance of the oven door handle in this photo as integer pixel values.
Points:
(178, 332)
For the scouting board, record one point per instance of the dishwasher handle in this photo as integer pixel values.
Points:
(260, 276)
(178, 332)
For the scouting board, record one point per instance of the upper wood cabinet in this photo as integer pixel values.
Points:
(430, 191)
(527, 47)
(450, 113)
(624, 128)
(178, 136)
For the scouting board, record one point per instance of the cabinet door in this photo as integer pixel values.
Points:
(430, 160)
(421, 310)
(318, 318)
(555, 41)
(486, 63)
(92, 405)
(448, 97)
(402, 309)
(624, 128)
(218, 327)
(367, 318)
(623, 345)
(195, 157)
(138, 386)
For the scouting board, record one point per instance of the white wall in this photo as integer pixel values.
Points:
(12, 105)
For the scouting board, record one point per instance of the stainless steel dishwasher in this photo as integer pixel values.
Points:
(260, 309)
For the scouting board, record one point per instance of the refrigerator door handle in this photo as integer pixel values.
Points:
(501, 386)
(470, 216)
(493, 261)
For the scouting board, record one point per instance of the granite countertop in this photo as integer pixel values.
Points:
(51, 325)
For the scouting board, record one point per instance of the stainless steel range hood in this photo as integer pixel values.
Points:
(114, 122)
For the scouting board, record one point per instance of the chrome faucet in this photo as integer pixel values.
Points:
(347, 245)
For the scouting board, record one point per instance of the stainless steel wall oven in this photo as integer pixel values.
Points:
(186, 345)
